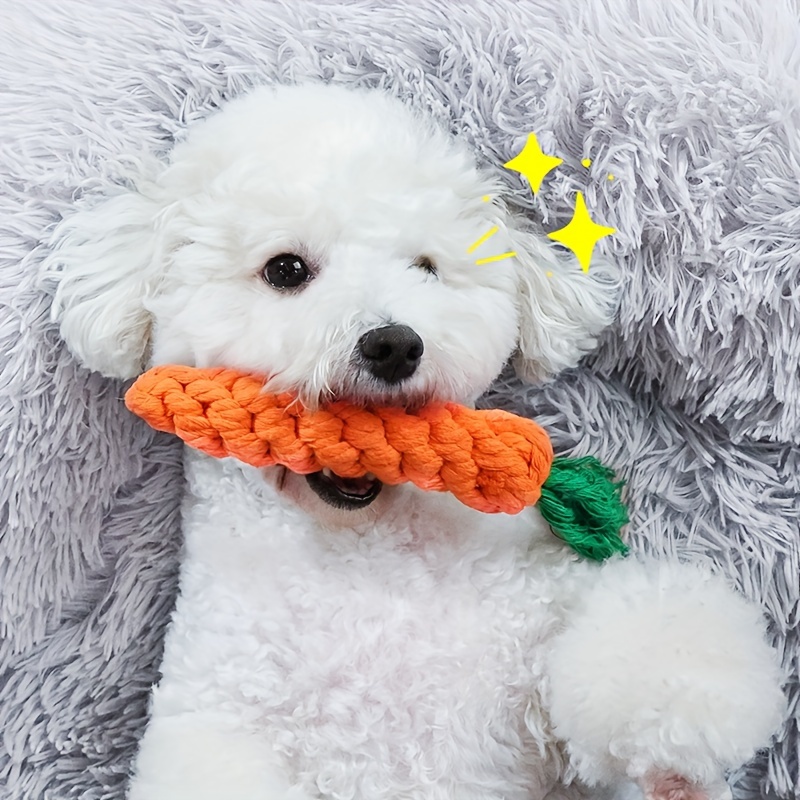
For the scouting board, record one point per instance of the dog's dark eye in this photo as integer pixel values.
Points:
(286, 271)
(423, 262)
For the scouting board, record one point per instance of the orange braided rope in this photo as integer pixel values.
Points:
(492, 461)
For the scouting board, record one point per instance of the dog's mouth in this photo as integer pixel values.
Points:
(344, 493)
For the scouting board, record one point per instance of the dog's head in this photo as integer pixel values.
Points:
(322, 236)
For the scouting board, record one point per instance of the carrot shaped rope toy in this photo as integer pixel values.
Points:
(492, 461)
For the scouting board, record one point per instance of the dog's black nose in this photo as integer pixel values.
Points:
(392, 352)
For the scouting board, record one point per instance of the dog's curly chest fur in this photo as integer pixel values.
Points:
(405, 646)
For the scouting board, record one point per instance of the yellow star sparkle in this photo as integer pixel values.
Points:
(533, 163)
(581, 234)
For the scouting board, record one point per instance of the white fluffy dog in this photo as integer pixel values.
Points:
(342, 639)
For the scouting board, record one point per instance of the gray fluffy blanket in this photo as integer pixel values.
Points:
(693, 106)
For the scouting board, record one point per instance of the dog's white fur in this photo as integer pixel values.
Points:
(416, 648)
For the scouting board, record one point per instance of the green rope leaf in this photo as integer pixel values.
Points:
(581, 503)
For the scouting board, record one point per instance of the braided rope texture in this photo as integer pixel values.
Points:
(490, 460)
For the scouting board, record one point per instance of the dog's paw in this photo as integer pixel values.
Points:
(671, 786)
(665, 668)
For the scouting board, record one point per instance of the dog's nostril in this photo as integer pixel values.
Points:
(391, 353)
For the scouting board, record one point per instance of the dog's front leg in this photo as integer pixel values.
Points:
(196, 756)
(663, 676)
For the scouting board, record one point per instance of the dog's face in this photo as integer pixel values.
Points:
(325, 245)
(322, 237)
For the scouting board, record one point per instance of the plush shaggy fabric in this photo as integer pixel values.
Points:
(694, 396)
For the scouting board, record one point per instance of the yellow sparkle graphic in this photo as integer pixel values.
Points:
(495, 258)
(611, 177)
(581, 234)
(486, 198)
(533, 163)
(587, 162)
(475, 245)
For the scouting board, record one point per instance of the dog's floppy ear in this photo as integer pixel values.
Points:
(106, 260)
(562, 309)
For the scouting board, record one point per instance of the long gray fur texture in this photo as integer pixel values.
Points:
(694, 396)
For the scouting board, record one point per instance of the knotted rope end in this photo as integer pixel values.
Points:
(581, 502)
